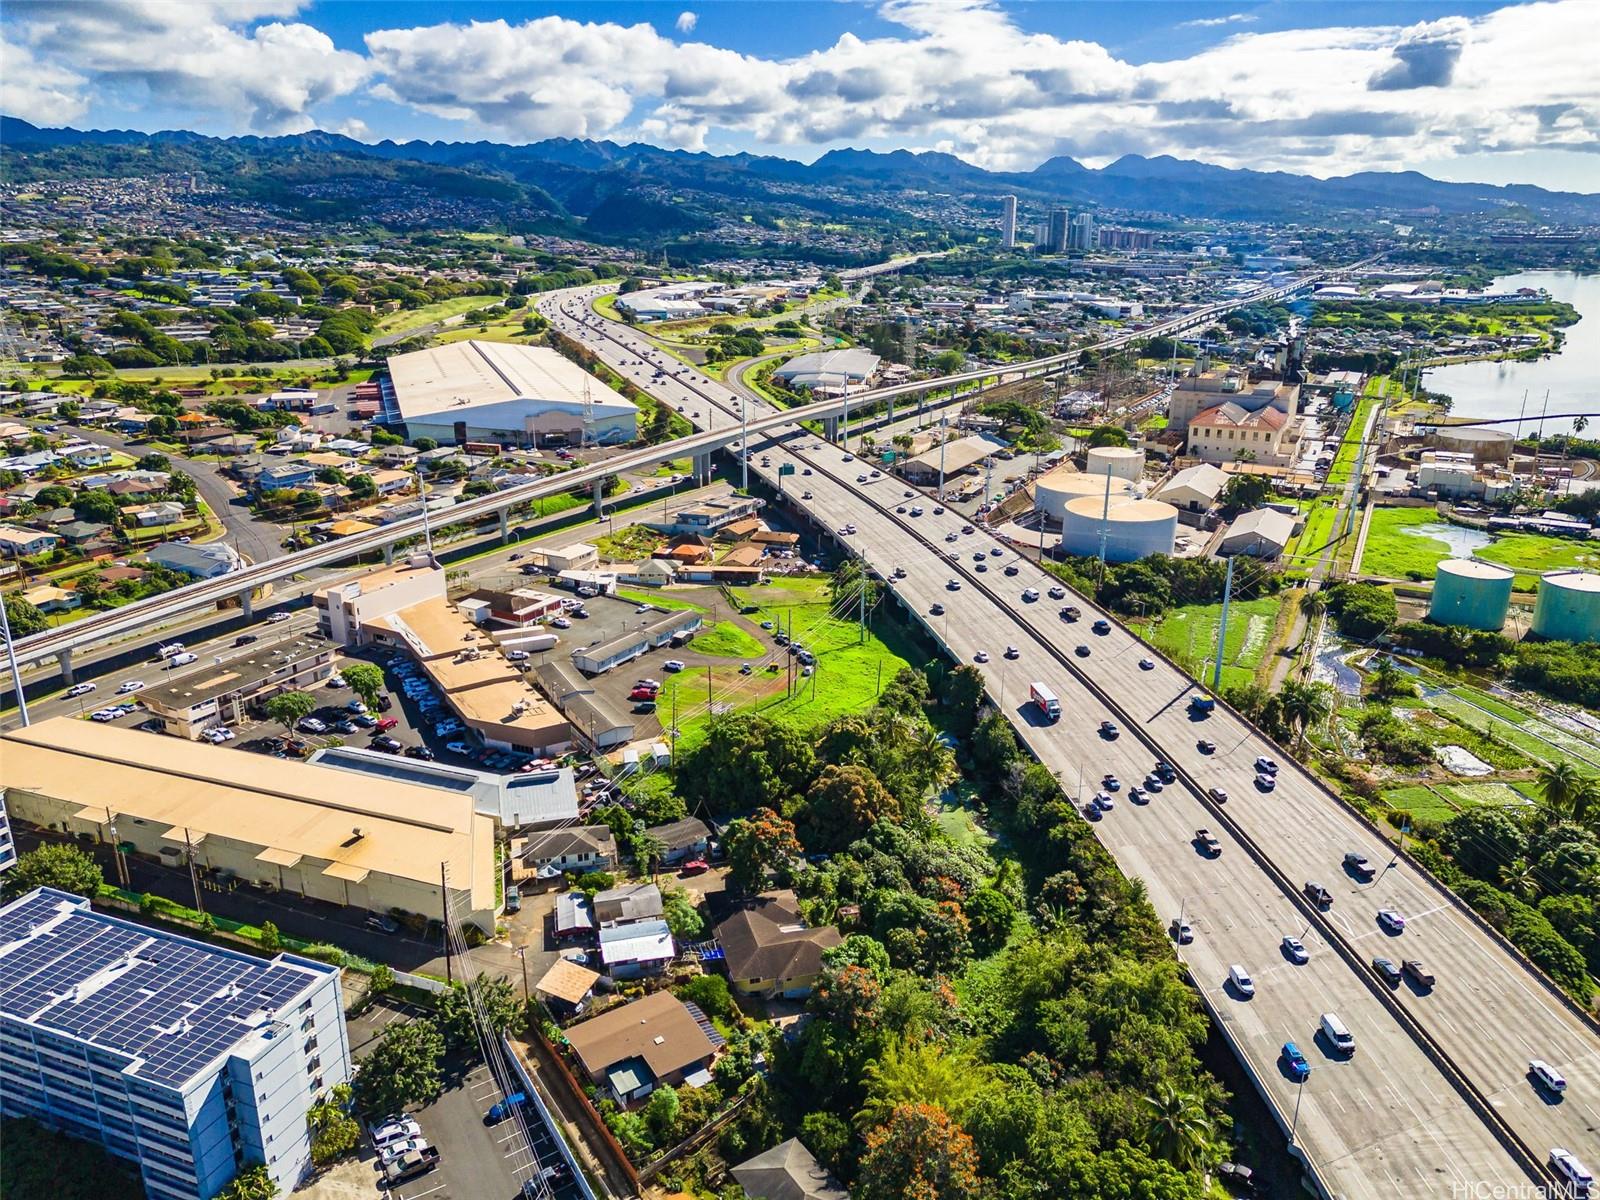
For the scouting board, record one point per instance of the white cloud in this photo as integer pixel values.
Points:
(686, 22)
(234, 63)
(962, 75)
(1237, 18)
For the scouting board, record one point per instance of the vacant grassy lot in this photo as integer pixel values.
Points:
(413, 318)
(1189, 636)
(846, 679)
(726, 640)
(1395, 549)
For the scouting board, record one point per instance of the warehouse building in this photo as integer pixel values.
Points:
(1262, 532)
(532, 800)
(186, 1058)
(285, 825)
(594, 660)
(828, 369)
(496, 392)
(955, 456)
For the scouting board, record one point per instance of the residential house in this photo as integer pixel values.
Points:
(162, 512)
(566, 986)
(81, 533)
(549, 855)
(17, 543)
(787, 1172)
(683, 840)
(636, 949)
(626, 904)
(769, 948)
(135, 487)
(230, 444)
(200, 562)
(635, 1048)
(50, 599)
(574, 916)
(280, 476)
(652, 572)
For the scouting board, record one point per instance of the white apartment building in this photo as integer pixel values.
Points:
(190, 1060)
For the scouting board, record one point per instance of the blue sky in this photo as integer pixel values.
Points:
(1491, 92)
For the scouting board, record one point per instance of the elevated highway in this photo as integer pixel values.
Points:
(1437, 1100)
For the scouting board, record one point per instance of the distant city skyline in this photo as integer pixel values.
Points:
(1460, 91)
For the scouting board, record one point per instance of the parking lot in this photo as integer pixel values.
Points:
(477, 1160)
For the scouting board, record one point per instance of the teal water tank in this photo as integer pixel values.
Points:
(1568, 607)
(1470, 592)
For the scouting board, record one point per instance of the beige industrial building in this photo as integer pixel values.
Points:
(292, 826)
(1228, 433)
(406, 607)
(1206, 387)
(220, 692)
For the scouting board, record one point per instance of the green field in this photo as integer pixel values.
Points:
(415, 318)
(846, 680)
(1394, 553)
(1344, 462)
(1189, 636)
(662, 600)
(726, 639)
(1448, 799)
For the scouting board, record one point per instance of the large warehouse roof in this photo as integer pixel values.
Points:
(449, 379)
(829, 368)
(290, 807)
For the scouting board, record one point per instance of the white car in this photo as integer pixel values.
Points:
(337, 681)
(80, 689)
(104, 714)
(278, 617)
(398, 1149)
(516, 655)
(1030, 594)
(561, 623)
(1547, 1076)
(133, 685)
(395, 1129)
(312, 725)
(458, 748)
(1578, 1176)
(673, 664)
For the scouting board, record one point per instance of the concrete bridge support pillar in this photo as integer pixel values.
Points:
(599, 497)
(247, 604)
(388, 554)
(65, 661)
(505, 525)
(702, 468)
(830, 428)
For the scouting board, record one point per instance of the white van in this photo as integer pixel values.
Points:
(183, 658)
(1341, 1038)
(1242, 983)
(1566, 1165)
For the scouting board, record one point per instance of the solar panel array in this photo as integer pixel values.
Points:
(174, 1003)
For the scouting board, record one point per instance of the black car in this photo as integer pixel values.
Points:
(421, 752)
(1387, 971)
(1082, 651)
(1102, 626)
(244, 639)
(937, 610)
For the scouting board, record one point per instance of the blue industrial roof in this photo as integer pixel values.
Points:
(170, 1005)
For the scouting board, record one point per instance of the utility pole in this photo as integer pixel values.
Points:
(194, 879)
(862, 567)
(522, 957)
(116, 848)
(1222, 630)
(444, 912)
(16, 670)
(744, 445)
(944, 431)
(1105, 527)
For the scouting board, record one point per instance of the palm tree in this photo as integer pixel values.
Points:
(1314, 604)
(1304, 705)
(1178, 1130)
(1562, 784)
(934, 757)
(1518, 878)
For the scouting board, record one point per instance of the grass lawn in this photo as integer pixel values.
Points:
(661, 600)
(414, 318)
(629, 542)
(1422, 803)
(848, 673)
(726, 640)
(1480, 795)
(954, 815)
(1189, 635)
(1319, 527)
(1395, 550)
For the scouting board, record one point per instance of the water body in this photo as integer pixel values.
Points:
(1461, 540)
(1495, 389)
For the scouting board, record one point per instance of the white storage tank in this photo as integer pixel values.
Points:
(1470, 592)
(1124, 462)
(1132, 528)
(1568, 607)
(1053, 489)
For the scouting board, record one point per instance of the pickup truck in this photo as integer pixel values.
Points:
(410, 1165)
(1358, 866)
(1208, 842)
(1071, 613)
(1418, 974)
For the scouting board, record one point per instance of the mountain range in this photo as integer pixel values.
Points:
(632, 188)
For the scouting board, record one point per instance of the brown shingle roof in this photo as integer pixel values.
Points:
(768, 939)
(658, 1029)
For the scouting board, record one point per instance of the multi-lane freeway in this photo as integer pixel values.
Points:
(1436, 1099)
